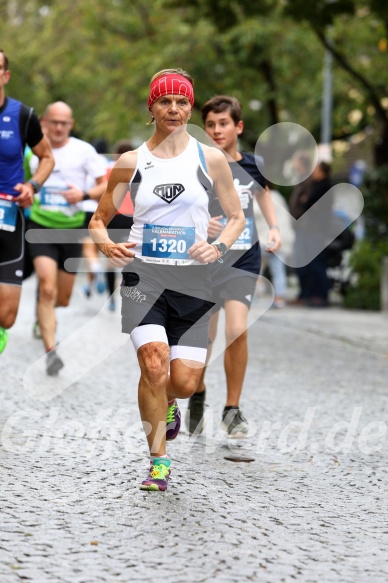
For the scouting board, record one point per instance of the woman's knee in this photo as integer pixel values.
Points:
(184, 387)
(153, 359)
(185, 392)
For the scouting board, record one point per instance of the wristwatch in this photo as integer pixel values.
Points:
(221, 247)
(35, 185)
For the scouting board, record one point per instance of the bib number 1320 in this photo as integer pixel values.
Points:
(169, 246)
(167, 242)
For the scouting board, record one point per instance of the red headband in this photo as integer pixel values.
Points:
(170, 85)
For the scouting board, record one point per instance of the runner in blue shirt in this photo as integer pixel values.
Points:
(18, 126)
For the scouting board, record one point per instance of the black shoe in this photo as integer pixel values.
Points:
(234, 423)
(53, 363)
(315, 302)
(195, 421)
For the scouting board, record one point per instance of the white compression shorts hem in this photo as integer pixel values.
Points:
(148, 333)
(188, 353)
(154, 333)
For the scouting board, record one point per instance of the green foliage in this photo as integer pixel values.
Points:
(365, 261)
(99, 56)
(375, 191)
(319, 13)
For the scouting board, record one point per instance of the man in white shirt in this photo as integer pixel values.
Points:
(59, 206)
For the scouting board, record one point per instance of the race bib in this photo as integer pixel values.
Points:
(164, 243)
(245, 239)
(52, 199)
(8, 213)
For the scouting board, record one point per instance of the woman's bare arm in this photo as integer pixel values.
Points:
(120, 176)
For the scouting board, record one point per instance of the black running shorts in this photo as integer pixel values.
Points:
(241, 289)
(12, 246)
(175, 297)
(58, 251)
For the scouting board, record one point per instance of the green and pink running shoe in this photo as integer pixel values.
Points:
(157, 479)
(173, 421)
(3, 339)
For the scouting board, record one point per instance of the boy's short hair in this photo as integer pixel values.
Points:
(5, 60)
(220, 103)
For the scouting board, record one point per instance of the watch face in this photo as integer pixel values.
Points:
(223, 248)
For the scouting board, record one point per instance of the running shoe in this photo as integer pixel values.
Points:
(53, 363)
(173, 421)
(36, 332)
(234, 423)
(3, 339)
(100, 283)
(158, 476)
(195, 420)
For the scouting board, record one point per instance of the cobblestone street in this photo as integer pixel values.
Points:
(310, 508)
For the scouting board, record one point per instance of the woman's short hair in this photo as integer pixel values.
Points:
(173, 72)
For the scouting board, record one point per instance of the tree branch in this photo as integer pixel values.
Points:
(344, 63)
(268, 74)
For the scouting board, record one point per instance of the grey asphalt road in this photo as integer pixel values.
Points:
(311, 507)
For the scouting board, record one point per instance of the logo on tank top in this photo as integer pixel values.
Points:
(168, 192)
(245, 192)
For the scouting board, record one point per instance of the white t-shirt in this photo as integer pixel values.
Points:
(89, 206)
(76, 164)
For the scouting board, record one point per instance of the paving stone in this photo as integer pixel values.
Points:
(306, 510)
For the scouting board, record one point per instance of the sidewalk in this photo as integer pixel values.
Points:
(365, 329)
(310, 507)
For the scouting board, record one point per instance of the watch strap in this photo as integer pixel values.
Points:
(35, 185)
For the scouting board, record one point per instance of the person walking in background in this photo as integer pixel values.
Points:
(277, 262)
(57, 206)
(165, 290)
(302, 166)
(234, 280)
(19, 126)
(312, 232)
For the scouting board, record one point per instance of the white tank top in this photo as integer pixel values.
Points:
(171, 205)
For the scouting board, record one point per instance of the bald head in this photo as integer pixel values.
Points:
(58, 107)
(57, 123)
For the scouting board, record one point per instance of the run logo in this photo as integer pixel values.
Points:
(168, 192)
